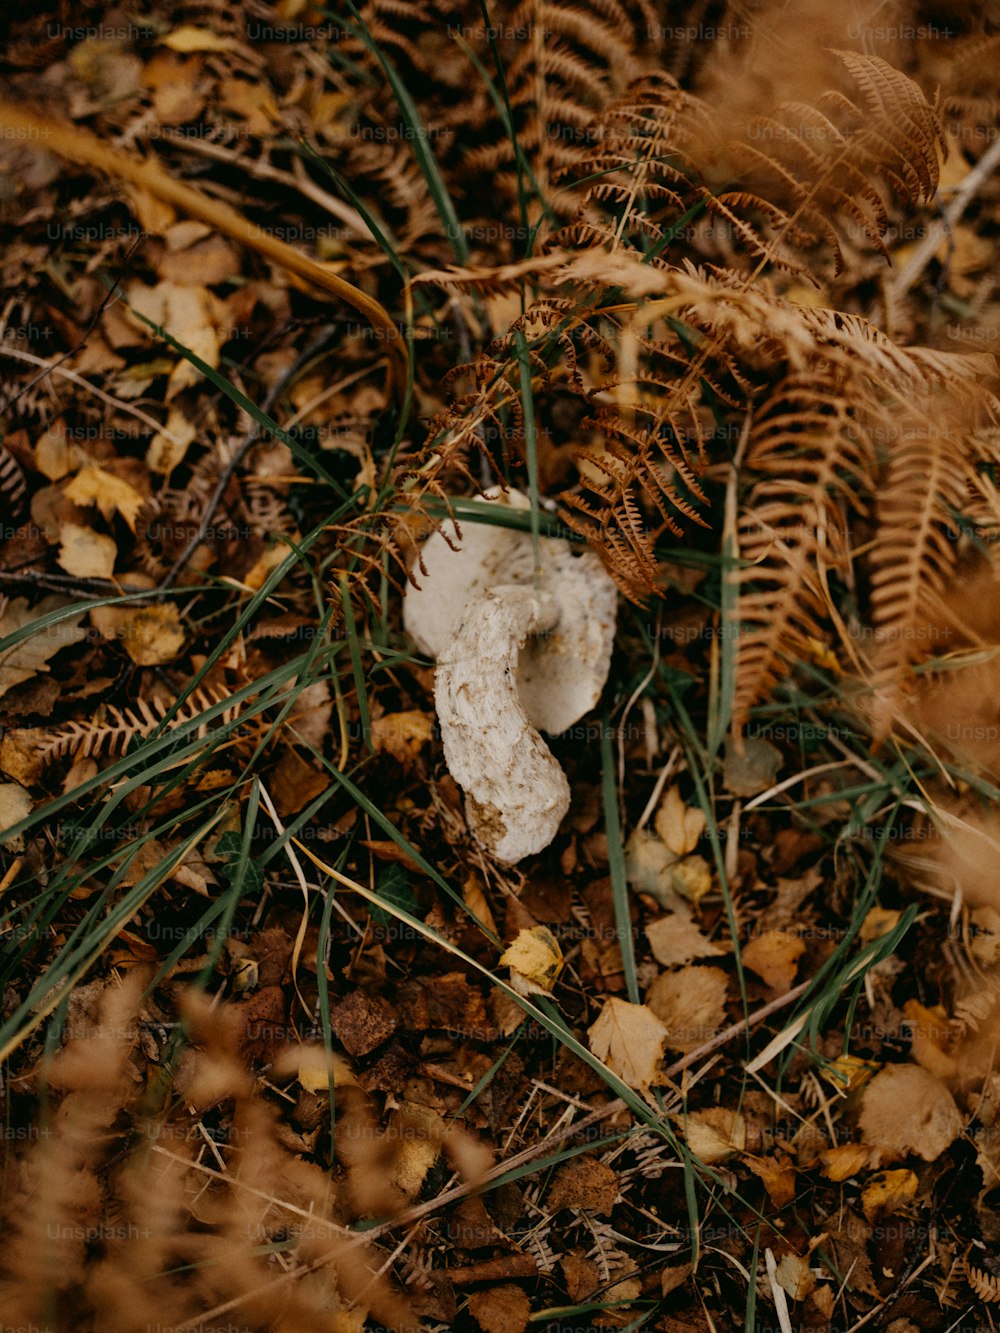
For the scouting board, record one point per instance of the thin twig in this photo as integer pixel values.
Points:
(901, 282)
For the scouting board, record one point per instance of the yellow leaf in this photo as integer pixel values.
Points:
(680, 826)
(629, 1039)
(535, 961)
(86, 554)
(95, 486)
(312, 1066)
(257, 576)
(188, 38)
(795, 1277)
(845, 1160)
(774, 955)
(878, 922)
(848, 1072)
(151, 635)
(715, 1133)
(186, 313)
(169, 445)
(416, 1133)
(886, 1191)
(15, 805)
(402, 735)
(691, 878)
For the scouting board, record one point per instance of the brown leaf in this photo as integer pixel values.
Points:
(362, 1021)
(752, 768)
(586, 1183)
(86, 554)
(502, 1309)
(778, 1176)
(691, 1004)
(715, 1133)
(844, 1160)
(31, 655)
(675, 939)
(296, 782)
(151, 635)
(629, 1039)
(774, 956)
(110, 493)
(402, 735)
(907, 1110)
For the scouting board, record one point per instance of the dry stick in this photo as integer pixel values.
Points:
(420, 1211)
(52, 367)
(924, 252)
(148, 174)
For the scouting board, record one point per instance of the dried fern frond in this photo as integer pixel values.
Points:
(13, 487)
(113, 729)
(985, 1285)
(811, 463)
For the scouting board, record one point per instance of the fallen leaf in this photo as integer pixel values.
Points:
(886, 1191)
(313, 1065)
(931, 1038)
(86, 554)
(186, 314)
(675, 939)
(907, 1110)
(629, 1039)
(691, 878)
(774, 956)
(715, 1133)
(15, 805)
(678, 825)
(96, 486)
(188, 38)
(503, 1309)
(535, 961)
(416, 1134)
(844, 1160)
(778, 1176)
(672, 1278)
(151, 635)
(23, 660)
(749, 770)
(690, 1003)
(169, 445)
(402, 735)
(361, 1022)
(848, 1072)
(586, 1183)
(879, 921)
(649, 866)
(795, 1277)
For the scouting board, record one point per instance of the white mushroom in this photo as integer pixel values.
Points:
(515, 655)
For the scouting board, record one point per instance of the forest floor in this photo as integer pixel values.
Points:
(284, 1046)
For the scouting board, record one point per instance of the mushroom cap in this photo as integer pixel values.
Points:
(561, 671)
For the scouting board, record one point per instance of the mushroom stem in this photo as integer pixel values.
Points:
(516, 792)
